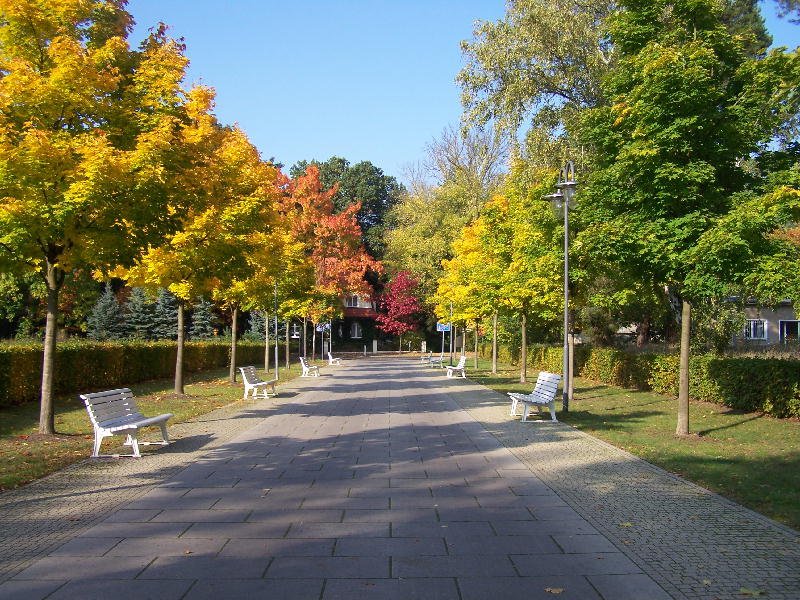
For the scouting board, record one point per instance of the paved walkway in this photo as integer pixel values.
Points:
(382, 479)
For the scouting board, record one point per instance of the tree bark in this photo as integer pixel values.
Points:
(313, 341)
(523, 353)
(54, 278)
(287, 344)
(476, 345)
(305, 334)
(643, 332)
(267, 348)
(179, 351)
(571, 385)
(683, 386)
(232, 371)
(494, 343)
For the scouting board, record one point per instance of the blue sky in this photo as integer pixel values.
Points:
(363, 79)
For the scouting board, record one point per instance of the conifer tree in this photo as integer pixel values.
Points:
(202, 326)
(165, 316)
(257, 324)
(105, 321)
(138, 315)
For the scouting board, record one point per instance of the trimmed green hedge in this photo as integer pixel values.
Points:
(767, 385)
(83, 366)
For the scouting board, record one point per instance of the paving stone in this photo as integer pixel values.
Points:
(452, 566)
(279, 547)
(84, 567)
(607, 563)
(402, 446)
(628, 587)
(391, 589)
(122, 590)
(249, 589)
(391, 547)
(563, 587)
(206, 567)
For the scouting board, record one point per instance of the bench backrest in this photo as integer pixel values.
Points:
(111, 406)
(303, 361)
(249, 375)
(546, 386)
(461, 362)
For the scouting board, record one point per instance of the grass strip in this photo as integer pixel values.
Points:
(26, 455)
(750, 458)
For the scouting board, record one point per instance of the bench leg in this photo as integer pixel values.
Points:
(552, 407)
(526, 409)
(164, 434)
(513, 410)
(134, 444)
(98, 440)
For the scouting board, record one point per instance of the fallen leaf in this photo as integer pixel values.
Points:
(750, 593)
(626, 524)
(554, 590)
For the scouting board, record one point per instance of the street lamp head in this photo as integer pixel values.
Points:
(567, 184)
(556, 201)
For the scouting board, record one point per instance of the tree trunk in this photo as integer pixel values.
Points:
(54, 280)
(643, 332)
(232, 371)
(476, 345)
(523, 354)
(401, 342)
(267, 348)
(287, 344)
(305, 335)
(683, 385)
(313, 342)
(179, 351)
(494, 343)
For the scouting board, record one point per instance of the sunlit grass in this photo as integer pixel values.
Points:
(747, 457)
(25, 455)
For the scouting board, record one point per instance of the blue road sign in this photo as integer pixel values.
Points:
(443, 327)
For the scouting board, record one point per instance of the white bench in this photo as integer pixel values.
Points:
(114, 412)
(252, 382)
(426, 358)
(436, 361)
(543, 394)
(308, 370)
(333, 361)
(459, 368)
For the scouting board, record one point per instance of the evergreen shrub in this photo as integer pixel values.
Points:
(86, 366)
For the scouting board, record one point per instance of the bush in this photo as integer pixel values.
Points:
(82, 366)
(768, 385)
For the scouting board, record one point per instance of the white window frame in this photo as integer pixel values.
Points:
(356, 330)
(351, 301)
(748, 329)
(781, 337)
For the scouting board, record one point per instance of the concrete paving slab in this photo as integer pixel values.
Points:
(383, 479)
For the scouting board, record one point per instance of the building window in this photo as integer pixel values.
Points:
(355, 330)
(351, 302)
(790, 331)
(755, 329)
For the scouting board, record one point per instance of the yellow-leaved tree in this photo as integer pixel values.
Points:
(89, 138)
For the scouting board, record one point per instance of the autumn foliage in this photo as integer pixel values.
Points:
(401, 307)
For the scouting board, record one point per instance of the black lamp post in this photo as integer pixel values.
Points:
(562, 200)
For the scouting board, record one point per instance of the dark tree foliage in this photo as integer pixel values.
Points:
(105, 321)
(255, 329)
(202, 326)
(743, 18)
(138, 315)
(165, 316)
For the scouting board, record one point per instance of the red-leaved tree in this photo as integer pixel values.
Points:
(400, 306)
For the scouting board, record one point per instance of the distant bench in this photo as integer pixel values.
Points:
(252, 382)
(114, 412)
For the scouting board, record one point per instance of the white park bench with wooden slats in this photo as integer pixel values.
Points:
(333, 360)
(253, 383)
(114, 412)
(308, 370)
(543, 394)
(459, 368)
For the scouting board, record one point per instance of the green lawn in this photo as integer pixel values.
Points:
(25, 455)
(747, 457)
